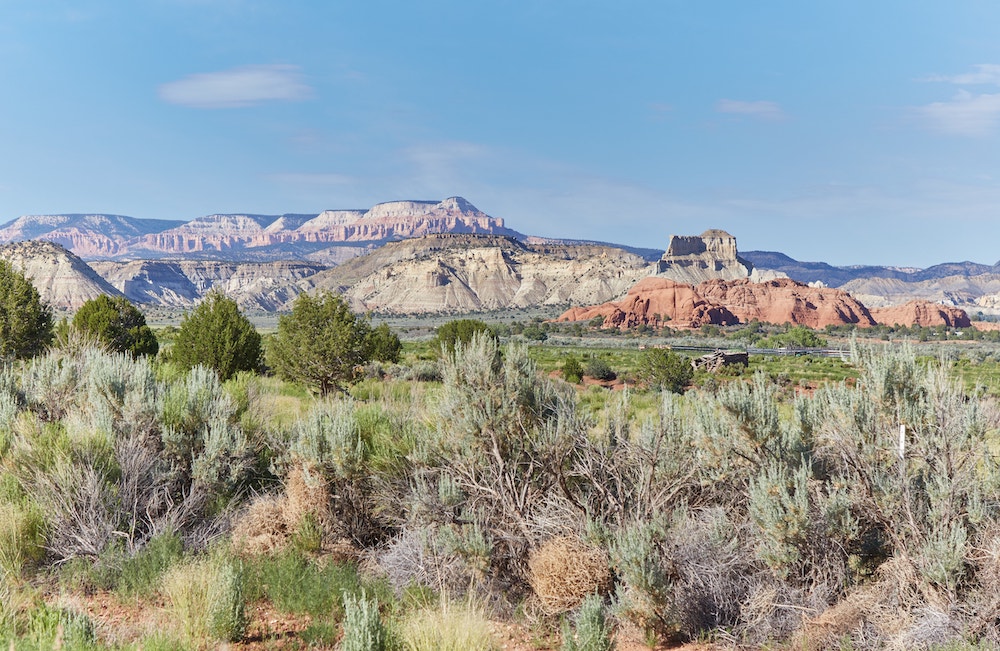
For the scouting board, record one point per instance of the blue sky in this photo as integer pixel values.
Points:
(850, 132)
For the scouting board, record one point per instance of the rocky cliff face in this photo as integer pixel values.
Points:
(62, 279)
(453, 273)
(657, 302)
(784, 300)
(265, 286)
(696, 258)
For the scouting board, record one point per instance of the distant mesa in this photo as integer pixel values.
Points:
(239, 236)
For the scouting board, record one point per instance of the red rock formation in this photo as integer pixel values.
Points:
(922, 313)
(784, 300)
(657, 301)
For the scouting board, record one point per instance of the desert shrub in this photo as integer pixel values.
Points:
(592, 630)
(666, 370)
(363, 628)
(425, 371)
(572, 370)
(599, 369)
(685, 576)
(448, 558)
(622, 474)
(205, 447)
(507, 434)
(447, 626)
(109, 454)
(205, 600)
(564, 570)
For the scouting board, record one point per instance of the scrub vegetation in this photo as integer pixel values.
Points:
(432, 502)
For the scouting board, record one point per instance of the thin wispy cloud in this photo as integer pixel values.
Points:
(238, 87)
(982, 74)
(967, 113)
(758, 109)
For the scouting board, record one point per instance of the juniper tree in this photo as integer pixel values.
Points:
(117, 324)
(217, 335)
(25, 320)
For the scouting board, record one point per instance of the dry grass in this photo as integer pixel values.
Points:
(262, 528)
(897, 611)
(564, 570)
(270, 522)
(447, 626)
(307, 495)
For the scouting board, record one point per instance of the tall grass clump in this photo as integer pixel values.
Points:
(447, 626)
(22, 539)
(299, 584)
(205, 600)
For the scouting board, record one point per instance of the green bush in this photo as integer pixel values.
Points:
(321, 343)
(117, 324)
(460, 331)
(217, 335)
(665, 370)
(572, 370)
(592, 631)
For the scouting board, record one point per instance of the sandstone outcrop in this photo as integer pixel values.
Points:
(659, 301)
(695, 258)
(783, 300)
(922, 313)
(656, 302)
(62, 279)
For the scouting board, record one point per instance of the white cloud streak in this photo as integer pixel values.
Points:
(966, 114)
(759, 109)
(238, 87)
(982, 74)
